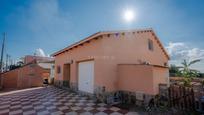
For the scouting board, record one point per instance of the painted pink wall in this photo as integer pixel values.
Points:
(161, 75)
(108, 52)
(27, 76)
(9, 79)
(136, 78)
(143, 78)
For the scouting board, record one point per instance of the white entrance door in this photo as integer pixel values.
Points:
(86, 76)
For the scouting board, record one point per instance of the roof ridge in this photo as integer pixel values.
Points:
(127, 30)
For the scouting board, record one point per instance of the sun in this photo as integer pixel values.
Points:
(129, 15)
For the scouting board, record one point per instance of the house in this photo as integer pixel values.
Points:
(112, 61)
(44, 62)
(30, 58)
(31, 74)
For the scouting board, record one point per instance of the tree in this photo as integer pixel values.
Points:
(186, 71)
(201, 75)
(20, 63)
(12, 67)
(15, 66)
(174, 71)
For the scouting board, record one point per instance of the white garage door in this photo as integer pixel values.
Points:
(86, 76)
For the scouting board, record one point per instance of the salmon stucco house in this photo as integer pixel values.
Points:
(113, 61)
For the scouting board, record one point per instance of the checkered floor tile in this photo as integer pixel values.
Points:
(53, 101)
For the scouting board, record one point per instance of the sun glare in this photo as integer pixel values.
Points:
(129, 15)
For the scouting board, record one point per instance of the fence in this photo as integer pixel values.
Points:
(181, 97)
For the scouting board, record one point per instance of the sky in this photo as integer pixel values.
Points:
(50, 25)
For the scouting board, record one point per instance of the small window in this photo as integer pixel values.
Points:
(58, 69)
(150, 45)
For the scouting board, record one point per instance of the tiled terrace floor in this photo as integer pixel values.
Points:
(53, 101)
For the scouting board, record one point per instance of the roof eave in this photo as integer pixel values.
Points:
(77, 43)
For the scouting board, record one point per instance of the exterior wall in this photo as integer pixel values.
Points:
(52, 74)
(86, 52)
(107, 53)
(50, 68)
(125, 49)
(28, 59)
(136, 78)
(52, 71)
(160, 76)
(31, 76)
(9, 79)
(27, 76)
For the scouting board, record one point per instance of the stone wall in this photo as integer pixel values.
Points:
(58, 83)
(126, 97)
(137, 98)
(163, 90)
(114, 97)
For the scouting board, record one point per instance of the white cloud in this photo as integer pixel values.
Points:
(180, 51)
(196, 53)
(39, 52)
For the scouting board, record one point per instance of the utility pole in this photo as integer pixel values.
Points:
(11, 61)
(7, 57)
(2, 50)
(2, 55)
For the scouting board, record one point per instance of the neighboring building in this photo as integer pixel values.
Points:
(49, 65)
(108, 62)
(31, 74)
(44, 62)
(30, 58)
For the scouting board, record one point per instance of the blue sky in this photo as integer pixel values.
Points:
(52, 25)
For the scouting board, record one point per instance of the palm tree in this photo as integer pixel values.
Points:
(186, 72)
(185, 68)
